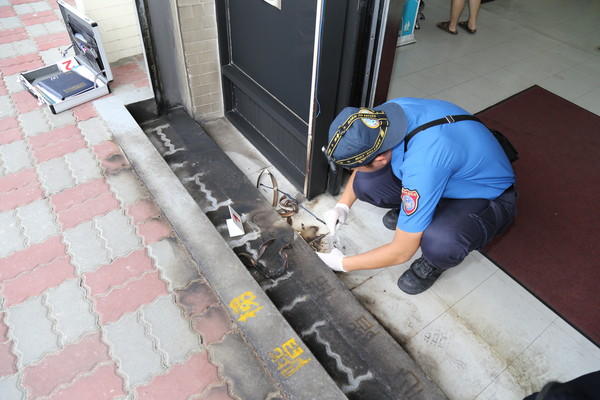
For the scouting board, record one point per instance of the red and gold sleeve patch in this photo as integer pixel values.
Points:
(410, 201)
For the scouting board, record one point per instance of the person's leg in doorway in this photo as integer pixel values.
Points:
(470, 25)
(456, 9)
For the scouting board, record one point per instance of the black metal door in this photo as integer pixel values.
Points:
(288, 70)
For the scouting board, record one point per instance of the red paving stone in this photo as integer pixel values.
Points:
(83, 202)
(7, 11)
(142, 211)
(9, 129)
(28, 259)
(124, 69)
(196, 298)
(13, 65)
(22, 178)
(129, 298)
(16, 2)
(62, 367)
(13, 35)
(52, 41)
(154, 230)
(10, 136)
(103, 383)
(88, 210)
(78, 194)
(117, 273)
(8, 361)
(182, 381)
(34, 282)
(129, 77)
(38, 18)
(51, 137)
(143, 83)
(85, 111)
(106, 149)
(56, 143)
(8, 123)
(111, 157)
(24, 102)
(20, 196)
(7, 62)
(213, 324)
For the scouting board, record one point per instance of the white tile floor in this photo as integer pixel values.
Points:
(477, 333)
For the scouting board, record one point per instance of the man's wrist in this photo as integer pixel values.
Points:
(343, 206)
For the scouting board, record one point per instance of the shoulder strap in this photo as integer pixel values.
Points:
(448, 119)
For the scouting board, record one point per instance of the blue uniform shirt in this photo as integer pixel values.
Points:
(461, 160)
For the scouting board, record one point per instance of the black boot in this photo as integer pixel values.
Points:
(419, 277)
(390, 219)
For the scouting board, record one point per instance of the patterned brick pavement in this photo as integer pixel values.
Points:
(98, 297)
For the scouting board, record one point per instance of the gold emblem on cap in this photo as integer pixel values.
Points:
(371, 123)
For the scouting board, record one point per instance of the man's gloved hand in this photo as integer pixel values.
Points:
(336, 217)
(333, 259)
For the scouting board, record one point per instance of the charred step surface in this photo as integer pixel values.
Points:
(361, 357)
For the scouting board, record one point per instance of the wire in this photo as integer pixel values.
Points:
(295, 201)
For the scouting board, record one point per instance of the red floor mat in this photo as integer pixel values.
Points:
(553, 246)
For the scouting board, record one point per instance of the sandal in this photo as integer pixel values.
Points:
(465, 26)
(445, 27)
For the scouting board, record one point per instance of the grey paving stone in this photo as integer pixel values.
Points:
(31, 330)
(34, 122)
(61, 119)
(47, 28)
(174, 262)
(29, 8)
(38, 221)
(10, 23)
(118, 233)
(10, 389)
(12, 83)
(174, 335)
(53, 55)
(19, 48)
(16, 156)
(83, 165)
(133, 351)
(252, 382)
(71, 311)
(55, 175)
(127, 187)
(6, 107)
(94, 131)
(86, 248)
(11, 234)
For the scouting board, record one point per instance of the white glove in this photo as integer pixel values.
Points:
(336, 217)
(333, 259)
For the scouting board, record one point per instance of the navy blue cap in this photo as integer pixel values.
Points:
(357, 135)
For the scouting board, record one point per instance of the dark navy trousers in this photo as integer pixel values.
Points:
(459, 226)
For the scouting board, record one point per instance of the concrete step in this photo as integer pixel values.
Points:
(355, 351)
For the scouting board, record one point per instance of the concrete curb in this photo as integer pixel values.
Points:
(268, 331)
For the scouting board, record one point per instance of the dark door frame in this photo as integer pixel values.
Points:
(340, 65)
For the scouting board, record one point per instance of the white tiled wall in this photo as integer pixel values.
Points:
(118, 24)
(198, 24)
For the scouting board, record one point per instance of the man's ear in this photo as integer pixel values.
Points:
(382, 159)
